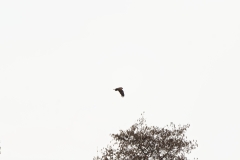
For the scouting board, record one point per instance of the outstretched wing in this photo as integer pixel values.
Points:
(121, 92)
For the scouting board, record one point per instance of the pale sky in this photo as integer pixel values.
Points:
(177, 61)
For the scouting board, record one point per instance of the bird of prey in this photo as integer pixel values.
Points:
(120, 90)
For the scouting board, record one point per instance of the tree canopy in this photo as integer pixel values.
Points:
(142, 142)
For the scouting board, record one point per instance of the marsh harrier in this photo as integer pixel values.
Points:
(120, 90)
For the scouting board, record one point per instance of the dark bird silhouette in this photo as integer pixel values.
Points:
(120, 90)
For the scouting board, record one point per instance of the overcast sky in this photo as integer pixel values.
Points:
(60, 60)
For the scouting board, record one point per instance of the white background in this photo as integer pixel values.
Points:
(60, 60)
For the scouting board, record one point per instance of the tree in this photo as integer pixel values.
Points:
(141, 142)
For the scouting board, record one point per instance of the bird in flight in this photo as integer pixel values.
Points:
(120, 90)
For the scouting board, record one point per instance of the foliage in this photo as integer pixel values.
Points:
(141, 142)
